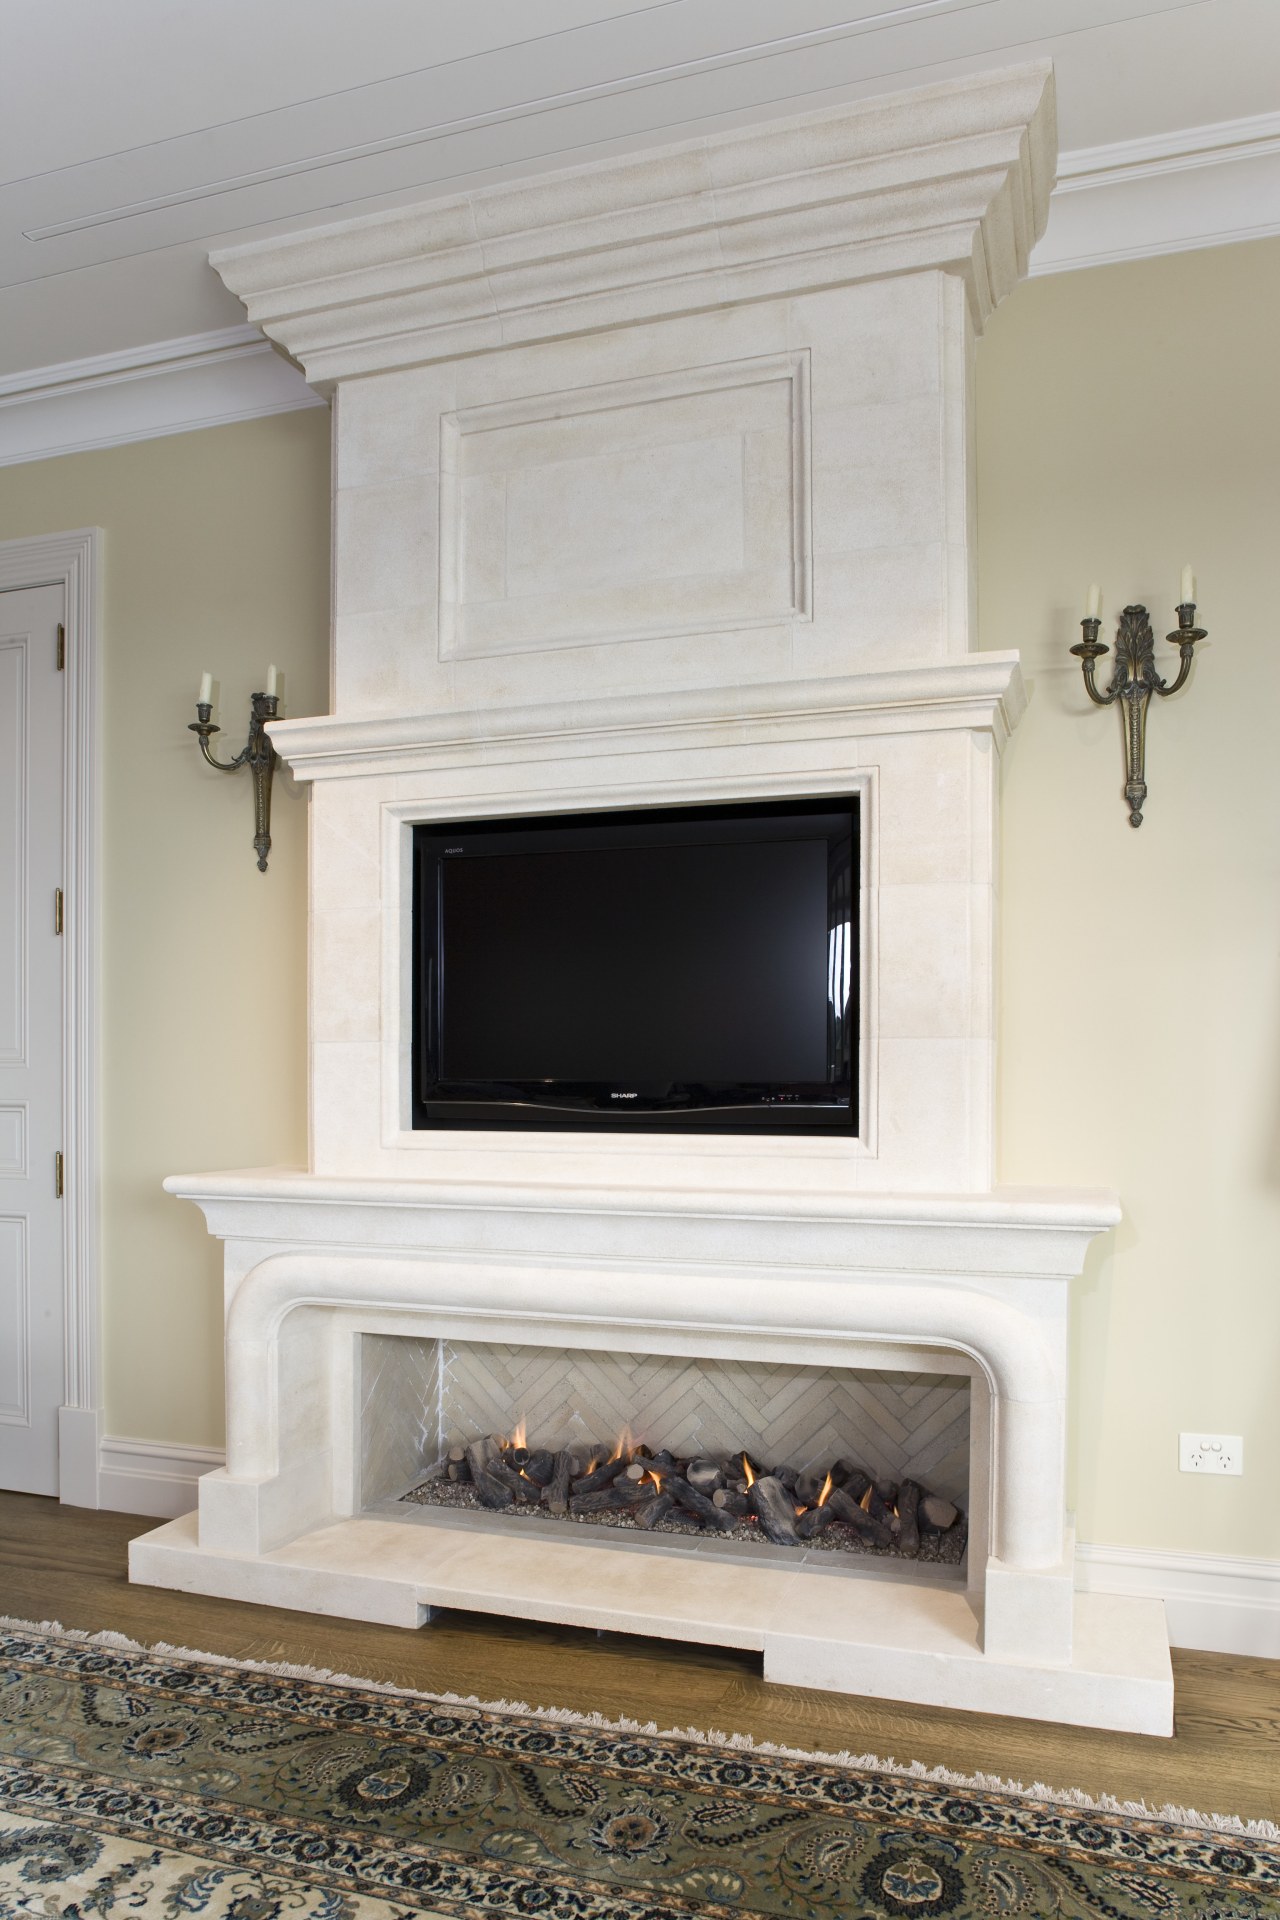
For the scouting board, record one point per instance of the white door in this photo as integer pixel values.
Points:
(31, 1266)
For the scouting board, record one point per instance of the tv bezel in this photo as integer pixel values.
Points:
(777, 1108)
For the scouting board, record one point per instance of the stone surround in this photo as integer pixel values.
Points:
(653, 485)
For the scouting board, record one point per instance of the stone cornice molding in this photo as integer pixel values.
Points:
(812, 201)
(983, 692)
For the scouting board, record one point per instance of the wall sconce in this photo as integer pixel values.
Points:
(258, 754)
(1135, 677)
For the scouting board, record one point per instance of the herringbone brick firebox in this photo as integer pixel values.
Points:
(419, 1397)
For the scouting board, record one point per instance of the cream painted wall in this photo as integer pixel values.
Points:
(1129, 419)
(216, 555)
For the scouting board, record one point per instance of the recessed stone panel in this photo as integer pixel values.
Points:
(673, 503)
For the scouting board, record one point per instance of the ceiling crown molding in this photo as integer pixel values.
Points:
(1198, 187)
(172, 386)
(955, 176)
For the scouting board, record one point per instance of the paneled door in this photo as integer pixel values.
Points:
(31, 1040)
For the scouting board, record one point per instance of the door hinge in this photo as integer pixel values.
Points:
(57, 909)
(57, 1176)
(62, 648)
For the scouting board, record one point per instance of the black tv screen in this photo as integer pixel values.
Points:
(673, 970)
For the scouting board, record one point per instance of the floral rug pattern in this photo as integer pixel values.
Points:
(159, 1784)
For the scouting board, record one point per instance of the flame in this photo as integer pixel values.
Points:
(654, 1475)
(865, 1502)
(800, 1510)
(826, 1488)
(623, 1444)
(518, 1436)
(746, 1468)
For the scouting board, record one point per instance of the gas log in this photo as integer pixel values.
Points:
(908, 1527)
(600, 1476)
(738, 1504)
(839, 1507)
(775, 1510)
(654, 1510)
(697, 1503)
(865, 1525)
(623, 1493)
(488, 1468)
(540, 1466)
(815, 1521)
(555, 1495)
(847, 1475)
(937, 1514)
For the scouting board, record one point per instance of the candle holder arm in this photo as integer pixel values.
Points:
(1184, 637)
(1088, 652)
(205, 727)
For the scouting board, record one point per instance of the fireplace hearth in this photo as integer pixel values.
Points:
(654, 491)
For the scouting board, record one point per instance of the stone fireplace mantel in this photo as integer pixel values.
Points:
(825, 1278)
(653, 486)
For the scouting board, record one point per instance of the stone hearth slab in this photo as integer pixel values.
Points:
(896, 1640)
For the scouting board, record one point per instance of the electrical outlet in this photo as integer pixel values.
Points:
(1211, 1453)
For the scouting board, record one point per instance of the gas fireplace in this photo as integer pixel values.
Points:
(738, 1455)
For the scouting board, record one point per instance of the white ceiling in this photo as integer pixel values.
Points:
(136, 136)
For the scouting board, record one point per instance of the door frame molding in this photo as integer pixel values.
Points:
(73, 561)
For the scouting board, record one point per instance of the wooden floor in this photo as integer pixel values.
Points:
(66, 1564)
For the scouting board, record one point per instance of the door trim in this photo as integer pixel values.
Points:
(73, 561)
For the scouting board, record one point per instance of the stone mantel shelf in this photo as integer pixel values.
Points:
(955, 176)
(1029, 1231)
(981, 691)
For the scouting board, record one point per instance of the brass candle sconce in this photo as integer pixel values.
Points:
(258, 754)
(1135, 676)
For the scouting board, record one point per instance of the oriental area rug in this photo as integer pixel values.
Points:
(168, 1783)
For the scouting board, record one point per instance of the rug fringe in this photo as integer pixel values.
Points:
(734, 1742)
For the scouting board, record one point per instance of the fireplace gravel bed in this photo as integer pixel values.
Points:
(848, 1514)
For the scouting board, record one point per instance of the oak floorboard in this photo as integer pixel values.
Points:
(68, 1564)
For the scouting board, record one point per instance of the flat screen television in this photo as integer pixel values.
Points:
(687, 969)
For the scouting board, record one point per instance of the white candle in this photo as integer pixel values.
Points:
(271, 683)
(205, 695)
(1093, 605)
(1188, 594)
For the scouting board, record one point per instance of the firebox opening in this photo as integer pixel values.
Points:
(838, 1463)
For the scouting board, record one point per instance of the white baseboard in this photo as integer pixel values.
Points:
(154, 1477)
(1220, 1602)
(1223, 1603)
(79, 1455)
